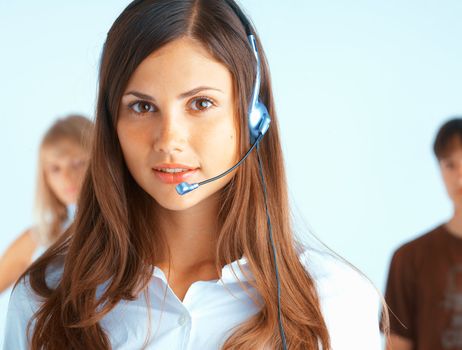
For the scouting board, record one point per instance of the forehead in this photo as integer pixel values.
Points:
(61, 151)
(180, 65)
(452, 148)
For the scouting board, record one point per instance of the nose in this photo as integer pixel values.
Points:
(170, 134)
(69, 175)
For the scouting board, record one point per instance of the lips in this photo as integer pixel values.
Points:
(176, 177)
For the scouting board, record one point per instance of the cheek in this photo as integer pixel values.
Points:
(450, 181)
(131, 141)
(81, 174)
(54, 181)
(217, 143)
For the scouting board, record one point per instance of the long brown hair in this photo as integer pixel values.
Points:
(112, 237)
(50, 213)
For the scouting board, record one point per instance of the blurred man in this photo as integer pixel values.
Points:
(424, 288)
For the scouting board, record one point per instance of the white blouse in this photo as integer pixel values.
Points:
(212, 309)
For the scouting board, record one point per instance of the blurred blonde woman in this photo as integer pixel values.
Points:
(62, 162)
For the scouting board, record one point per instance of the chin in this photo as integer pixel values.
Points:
(176, 204)
(169, 199)
(67, 201)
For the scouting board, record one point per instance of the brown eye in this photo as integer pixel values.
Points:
(200, 104)
(142, 107)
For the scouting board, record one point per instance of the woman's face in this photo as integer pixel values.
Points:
(177, 114)
(65, 163)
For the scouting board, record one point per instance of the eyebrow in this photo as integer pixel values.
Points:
(181, 96)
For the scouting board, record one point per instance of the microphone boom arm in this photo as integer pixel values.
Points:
(185, 187)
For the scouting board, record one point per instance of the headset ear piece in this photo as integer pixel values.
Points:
(265, 122)
(258, 117)
(259, 120)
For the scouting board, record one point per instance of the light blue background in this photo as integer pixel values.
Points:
(361, 88)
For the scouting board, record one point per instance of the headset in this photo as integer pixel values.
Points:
(258, 123)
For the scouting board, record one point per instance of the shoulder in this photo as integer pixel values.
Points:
(27, 234)
(23, 304)
(23, 299)
(415, 248)
(349, 301)
(333, 275)
(18, 255)
(25, 241)
(21, 308)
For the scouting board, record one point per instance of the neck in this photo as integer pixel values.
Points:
(190, 235)
(454, 225)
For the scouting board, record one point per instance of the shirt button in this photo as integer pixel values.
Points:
(182, 319)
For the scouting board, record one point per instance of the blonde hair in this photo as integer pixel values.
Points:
(50, 213)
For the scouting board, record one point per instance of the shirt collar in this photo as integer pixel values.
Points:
(237, 271)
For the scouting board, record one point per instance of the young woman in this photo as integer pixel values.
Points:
(63, 157)
(216, 268)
